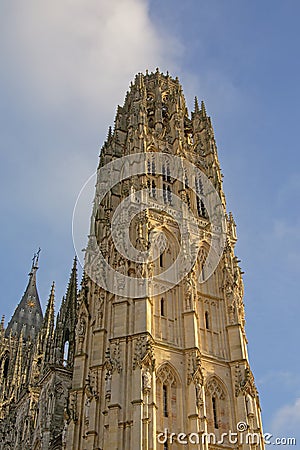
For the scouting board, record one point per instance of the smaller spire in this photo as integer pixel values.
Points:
(47, 331)
(49, 315)
(196, 107)
(2, 329)
(109, 134)
(28, 315)
(203, 109)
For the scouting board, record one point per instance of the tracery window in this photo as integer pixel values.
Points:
(167, 393)
(218, 414)
(167, 194)
(200, 204)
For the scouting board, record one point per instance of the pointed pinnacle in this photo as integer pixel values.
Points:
(203, 109)
(196, 108)
(51, 297)
(2, 322)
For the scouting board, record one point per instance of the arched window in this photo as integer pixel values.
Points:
(167, 397)
(165, 400)
(162, 307)
(217, 406)
(206, 320)
(167, 194)
(166, 172)
(215, 414)
(153, 189)
(161, 260)
(5, 367)
(66, 348)
(151, 169)
(200, 204)
(66, 353)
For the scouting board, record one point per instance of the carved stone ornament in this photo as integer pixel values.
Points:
(194, 369)
(73, 407)
(108, 377)
(113, 358)
(244, 381)
(81, 329)
(143, 353)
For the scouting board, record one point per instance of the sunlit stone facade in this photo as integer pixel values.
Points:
(157, 371)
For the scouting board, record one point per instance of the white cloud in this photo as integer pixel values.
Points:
(286, 421)
(84, 50)
(70, 61)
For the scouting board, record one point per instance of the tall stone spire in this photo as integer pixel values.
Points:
(28, 315)
(66, 323)
(45, 337)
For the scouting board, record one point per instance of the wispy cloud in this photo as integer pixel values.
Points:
(81, 50)
(286, 421)
(69, 64)
(284, 378)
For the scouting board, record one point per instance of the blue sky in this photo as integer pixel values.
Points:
(63, 69)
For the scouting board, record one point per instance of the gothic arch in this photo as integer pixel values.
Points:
(215, 386)
(209, 269)
(4, 364)
(172, 247)
(168, 397)
(166, 373)
(217, 405)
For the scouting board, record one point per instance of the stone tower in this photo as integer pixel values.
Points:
(160, 359)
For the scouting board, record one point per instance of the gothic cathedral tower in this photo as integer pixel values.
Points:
(161, 358)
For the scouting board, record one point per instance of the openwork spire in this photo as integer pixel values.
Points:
(28, 315)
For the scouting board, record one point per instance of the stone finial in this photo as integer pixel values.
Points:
(203, 109)
(196, 107)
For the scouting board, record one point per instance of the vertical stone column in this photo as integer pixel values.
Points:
(137, 409)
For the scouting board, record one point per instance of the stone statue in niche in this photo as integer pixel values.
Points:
(108, 377)
(231, 312)
(100, 310)
(190, 290)
(147, 380)
(198, 388)
(82, 328)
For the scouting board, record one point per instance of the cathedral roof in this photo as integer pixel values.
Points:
(28, 315)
